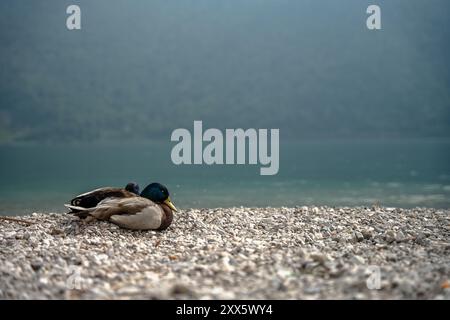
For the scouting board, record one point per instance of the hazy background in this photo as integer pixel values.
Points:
(137, 70)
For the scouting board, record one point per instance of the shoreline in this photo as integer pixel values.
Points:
(232, 253)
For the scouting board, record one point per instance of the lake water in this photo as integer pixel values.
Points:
(336, 173)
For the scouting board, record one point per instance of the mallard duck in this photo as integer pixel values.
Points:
(92, 198)
(152, 209)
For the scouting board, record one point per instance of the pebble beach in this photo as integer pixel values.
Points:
(232, 253)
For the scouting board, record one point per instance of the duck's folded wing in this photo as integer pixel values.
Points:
(92, 198)
(133, 213)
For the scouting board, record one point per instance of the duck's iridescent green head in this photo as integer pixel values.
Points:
(158, 193)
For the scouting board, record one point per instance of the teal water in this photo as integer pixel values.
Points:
(336, 173)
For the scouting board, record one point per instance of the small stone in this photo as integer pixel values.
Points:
(367, 233)
(36, 265)
(358, 259)
(445, 284)
(179, 289)
(129, 291)
(9, 235)
(226, 266)
(221, 294)
(359, 236)
(390, 236)
(284, 273)
(421, 239)
(56, 231)
(312, 290)
(399, 237)
(319, 257)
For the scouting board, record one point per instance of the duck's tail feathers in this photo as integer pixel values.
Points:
(78, 211)
(75, 208)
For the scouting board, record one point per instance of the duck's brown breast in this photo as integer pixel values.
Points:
(167, 217)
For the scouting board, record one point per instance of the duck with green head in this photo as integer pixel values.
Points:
(152, 209)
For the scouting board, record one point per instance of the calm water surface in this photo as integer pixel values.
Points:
(336, 173)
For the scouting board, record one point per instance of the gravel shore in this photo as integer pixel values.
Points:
(233, 253)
